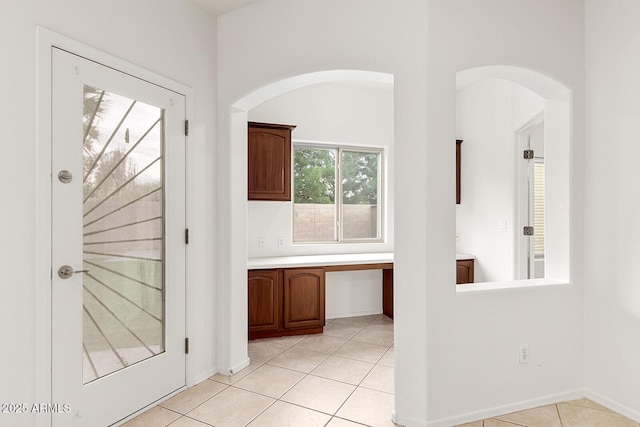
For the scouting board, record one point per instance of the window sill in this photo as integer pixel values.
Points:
(471, 288)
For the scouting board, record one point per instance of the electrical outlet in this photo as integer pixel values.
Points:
(280, 241)
(524, 353)
(261, 242)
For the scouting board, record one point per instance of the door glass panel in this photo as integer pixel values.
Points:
(123, 204)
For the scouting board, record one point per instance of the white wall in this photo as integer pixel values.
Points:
(353, 293)
(474, 336)
(174, 39)
(488, 114)
(612, 295)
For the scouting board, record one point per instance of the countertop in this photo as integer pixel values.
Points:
(319, 260)
(324, 260)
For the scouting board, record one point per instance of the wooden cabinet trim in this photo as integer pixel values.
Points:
(355, 267)
(262, 125)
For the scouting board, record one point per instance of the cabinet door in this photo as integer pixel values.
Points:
(304, 298)
(269, 163)
(265, 300)
(464, 271)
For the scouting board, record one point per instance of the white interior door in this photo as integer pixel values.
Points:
(118, 221)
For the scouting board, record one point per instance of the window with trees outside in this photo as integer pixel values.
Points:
(337, 194)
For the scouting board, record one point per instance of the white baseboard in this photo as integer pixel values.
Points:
(413, 422)
(202, 376)
(235, 369)
(613, 405)
(506, 409)
(351, 314)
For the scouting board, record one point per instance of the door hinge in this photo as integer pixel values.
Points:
(186, 345)
(186, 127)
(527, 230)
(186, 236)
(528, 154)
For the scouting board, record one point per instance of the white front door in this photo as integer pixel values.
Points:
(118, 250)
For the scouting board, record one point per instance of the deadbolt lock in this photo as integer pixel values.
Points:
(65, 176)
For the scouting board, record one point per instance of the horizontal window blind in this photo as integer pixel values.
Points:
(538, 207)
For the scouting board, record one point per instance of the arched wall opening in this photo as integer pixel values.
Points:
(233, 317)
(544, 97)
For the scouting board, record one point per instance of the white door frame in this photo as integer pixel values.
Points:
(46, 40)
(523, 263)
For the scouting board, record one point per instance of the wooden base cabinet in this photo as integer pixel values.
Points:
(265, 293)
(464, 271)
(304, 302)
(286, 302)
(387, 292)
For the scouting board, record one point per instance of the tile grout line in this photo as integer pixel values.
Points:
(261, 412)
(359, 384)
(355, 387)
(606, 410)
(348, 420)
(508, 422)
(202, 403)
(191, 418)
(559, 416)
(306, 374)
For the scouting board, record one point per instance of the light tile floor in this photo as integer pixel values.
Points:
(342, 378)
(574, 413)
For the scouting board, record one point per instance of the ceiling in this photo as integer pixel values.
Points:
(220, 7)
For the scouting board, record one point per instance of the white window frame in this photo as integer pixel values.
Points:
(339, 148)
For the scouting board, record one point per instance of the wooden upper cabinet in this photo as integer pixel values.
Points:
(269, 161)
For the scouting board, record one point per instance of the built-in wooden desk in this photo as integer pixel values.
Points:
(387, 280)
(286, 294)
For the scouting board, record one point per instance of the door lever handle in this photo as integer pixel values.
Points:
(67, 271)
